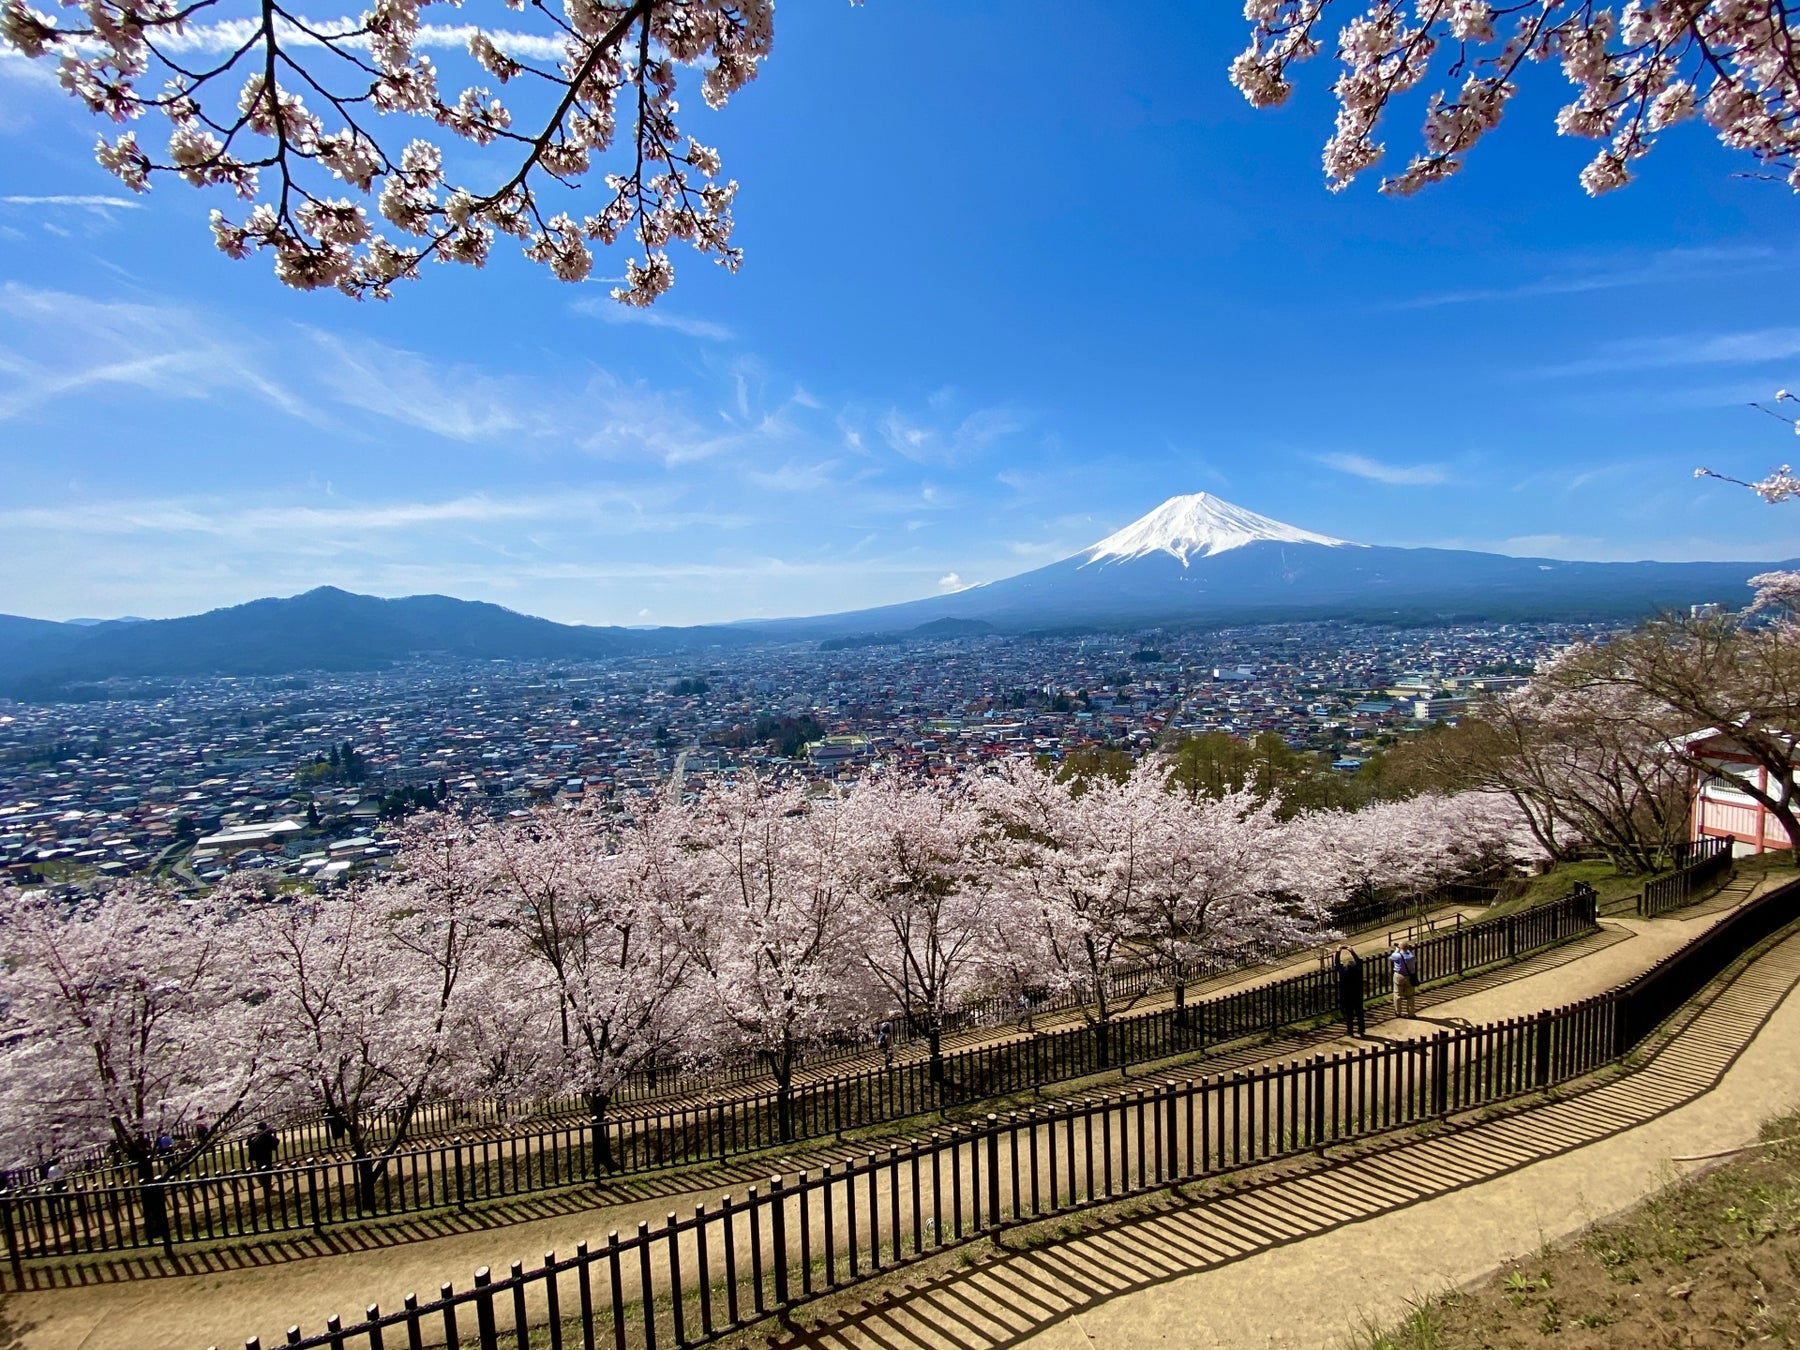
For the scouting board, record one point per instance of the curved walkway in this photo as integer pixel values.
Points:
(1310, 1254)
(220, 1296)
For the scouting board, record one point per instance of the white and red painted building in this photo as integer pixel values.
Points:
(1721, 808)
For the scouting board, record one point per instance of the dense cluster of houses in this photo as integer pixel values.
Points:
(234, 774)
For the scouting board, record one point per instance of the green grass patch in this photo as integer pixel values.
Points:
(1711, 1261)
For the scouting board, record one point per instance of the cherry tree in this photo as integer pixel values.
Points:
(1076, 867)
(1634, 74)
(1582, 762)
(599, 916)
(925, 926)
(128, 1015)
(1728, 673)
(1220, 881)
(316, 125)
(371, 988)
(1402, 848)
(770, 934)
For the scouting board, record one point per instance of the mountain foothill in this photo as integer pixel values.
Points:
(1196, 560)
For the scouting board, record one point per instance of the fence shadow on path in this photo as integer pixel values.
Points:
(150, 1264)
(1019, 1293)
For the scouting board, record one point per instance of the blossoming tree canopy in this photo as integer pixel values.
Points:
(1634, 72)
(310, 122)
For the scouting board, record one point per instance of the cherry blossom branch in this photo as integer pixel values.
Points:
(1635, 74)
(312, 213)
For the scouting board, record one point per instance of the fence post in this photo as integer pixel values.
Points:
(12, 1242)
(993, 1176)
(456, 1149)
(1545, 1022)
(1318, 1103)
(778, 1237)
(1440, 1073)
(484, 1311)
(312, 1193)
(1169, 1134)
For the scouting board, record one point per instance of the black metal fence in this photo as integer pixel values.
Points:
(1703, 862)
(317, 1135)
(695, 1278)
(85, 1215)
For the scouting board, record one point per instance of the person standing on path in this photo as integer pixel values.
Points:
(262, 1148)
(1406, 988)
(1350, 990)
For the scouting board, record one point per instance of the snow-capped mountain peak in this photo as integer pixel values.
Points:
(1197, 526)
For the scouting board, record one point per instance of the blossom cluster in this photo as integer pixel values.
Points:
(1635, 72)
(561, 952)
(297, 118)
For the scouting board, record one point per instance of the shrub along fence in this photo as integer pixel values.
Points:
(77, 1217)
(693, 1279)
(1704, 862)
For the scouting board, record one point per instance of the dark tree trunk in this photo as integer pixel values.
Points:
(154, 1200)
(599, 1136)
(368, 1174)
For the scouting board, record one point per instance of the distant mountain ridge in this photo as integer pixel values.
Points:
(1198, 559)
(322, 629)
(1194, 560)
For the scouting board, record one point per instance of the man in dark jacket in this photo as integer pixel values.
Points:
(262, 1147)
(1350, 990)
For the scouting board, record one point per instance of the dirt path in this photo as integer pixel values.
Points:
(1311, 1260)
(222, 1306)
(1318, 1292)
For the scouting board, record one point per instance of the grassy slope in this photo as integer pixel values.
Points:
(1712, 1261)
(1614, 888)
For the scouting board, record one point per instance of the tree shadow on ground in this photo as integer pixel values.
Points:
(12, 1327)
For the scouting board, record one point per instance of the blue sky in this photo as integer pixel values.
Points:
(1016, 273)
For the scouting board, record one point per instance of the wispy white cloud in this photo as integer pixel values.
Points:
(926, 443)
(225, 36)
(1763, 346)
(248, 519)
(611, 311)
(1586, 275)
(1379, 471)
(1595, 548)
(795, 477)
(100, 205)
(64, 344)
(21, 69)
(457, 402)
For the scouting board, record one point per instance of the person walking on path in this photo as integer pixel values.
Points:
(884, 1039)
(1350, 990)
(1406, 985)
(262, 1147)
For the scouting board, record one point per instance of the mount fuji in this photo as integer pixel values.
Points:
(1200, 559)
